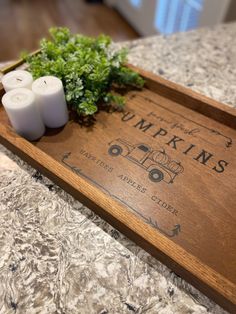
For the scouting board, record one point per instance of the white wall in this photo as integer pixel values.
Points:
(142, 19)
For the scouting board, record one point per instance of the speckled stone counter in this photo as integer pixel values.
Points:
(57, 256)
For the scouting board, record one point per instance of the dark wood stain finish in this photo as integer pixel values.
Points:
(162, 172)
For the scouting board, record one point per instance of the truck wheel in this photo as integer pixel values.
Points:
(115, 150)
(155, 175)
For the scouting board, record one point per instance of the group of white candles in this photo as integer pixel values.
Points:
(32, 105)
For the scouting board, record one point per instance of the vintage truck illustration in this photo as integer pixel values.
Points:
(158, 164)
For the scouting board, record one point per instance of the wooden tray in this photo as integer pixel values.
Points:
(163, 172)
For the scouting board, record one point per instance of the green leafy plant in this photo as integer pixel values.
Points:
(88, 68)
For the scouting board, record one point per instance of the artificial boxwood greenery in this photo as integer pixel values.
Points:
(87, 66)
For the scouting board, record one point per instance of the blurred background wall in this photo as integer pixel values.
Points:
(169, 16)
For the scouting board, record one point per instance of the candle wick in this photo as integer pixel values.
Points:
(18, 79)
(45, 82)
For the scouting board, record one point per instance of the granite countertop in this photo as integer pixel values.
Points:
(57, 256)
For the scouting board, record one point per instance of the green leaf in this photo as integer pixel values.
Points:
(87, 66)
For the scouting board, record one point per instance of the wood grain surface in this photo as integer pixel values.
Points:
(162, 171)
(24, 22)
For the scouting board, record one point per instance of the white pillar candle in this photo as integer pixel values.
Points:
(51, 100)
(21, 107)
(17, 79)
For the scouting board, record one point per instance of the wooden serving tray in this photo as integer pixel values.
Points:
(163, 172)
